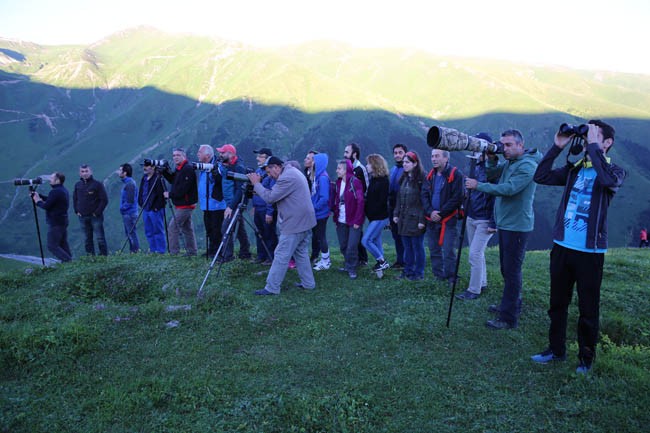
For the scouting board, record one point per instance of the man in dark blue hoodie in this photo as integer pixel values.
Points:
(129, 205)
(56, 206)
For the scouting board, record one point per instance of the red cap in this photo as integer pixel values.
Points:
(227, 148)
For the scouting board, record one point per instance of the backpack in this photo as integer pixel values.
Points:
(332, 198)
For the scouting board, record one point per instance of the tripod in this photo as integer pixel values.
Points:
(463, 226)
(32, 190)
(233, 228)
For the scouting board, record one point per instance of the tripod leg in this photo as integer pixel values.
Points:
(259, 236)
(38, 232)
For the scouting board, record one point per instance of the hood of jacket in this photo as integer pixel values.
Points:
(320, 161)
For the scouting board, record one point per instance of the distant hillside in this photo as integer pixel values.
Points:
(138, 93)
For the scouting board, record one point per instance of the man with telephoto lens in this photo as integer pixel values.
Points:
(89, 200)
(211, 198)
(264, 215)
(514, 217)
(151, 199)
(580, 239)
(129, 205)
(442, 197)
(183, 194)
(295, 220)
(232, 194)
(56, 205)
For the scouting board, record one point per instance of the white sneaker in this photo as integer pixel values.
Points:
(322, 265)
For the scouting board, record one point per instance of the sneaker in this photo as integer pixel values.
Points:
(467, 296)
(264, 292)
(383, 265)
(547, 356)
(322, 265)
(353, 275)
(498, 324)
(584, 367)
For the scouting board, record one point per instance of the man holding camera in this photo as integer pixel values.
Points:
(211, 198)
(151, 198)
(129, 205)
(56, 205)
(232, 194)
(89, 200)
(514, 217)
(580, 239)
(264, 215)
(442, 197)
(295, 219)
(184, 195)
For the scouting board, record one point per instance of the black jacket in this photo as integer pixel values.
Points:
(376, 204)
(155, 200)
(56, 206)
(608, 179)
(451, 195)
(89, 197)
(184, 191)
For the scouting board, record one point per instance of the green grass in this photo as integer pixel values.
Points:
(88, 347)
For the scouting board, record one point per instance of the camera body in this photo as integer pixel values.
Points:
(453, 140)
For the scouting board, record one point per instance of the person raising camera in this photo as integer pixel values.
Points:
(56, 205)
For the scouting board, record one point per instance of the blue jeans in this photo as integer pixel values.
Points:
(154, 230)
(413, 255)
(443, 257)
(372, 238)
(296, 245)
(129, 221)
(512, 251)
(268, 234)
(94, 224)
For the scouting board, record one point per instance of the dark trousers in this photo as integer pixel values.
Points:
(399, 246)
(585, 270)
(512, 251)
(57, 243)
(244, 245)
(212, 220)
(94, 224)
(268, 233)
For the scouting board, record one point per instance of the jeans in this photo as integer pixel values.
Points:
(585, 270)
(129, 221)
(399, 246)
(181, 224)
(512, 252)
(269, 237)
(289, 245)
(244, 246)
(372, 238)
(154, 230)
(91, 224)
(57, 243)
(212, 220)
(443, 257)
(413, 255)
(478, 238)
(349, 238)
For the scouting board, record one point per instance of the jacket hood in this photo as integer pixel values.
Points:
(532, 154)
(349, 169)
(320, 160)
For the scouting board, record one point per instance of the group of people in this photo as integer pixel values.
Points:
(497, 197)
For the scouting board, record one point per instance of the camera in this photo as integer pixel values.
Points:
(28, 182)
(453, 140)
(202, 166)
(156, 162)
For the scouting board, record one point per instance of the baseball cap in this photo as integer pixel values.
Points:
(484, 136)
(227, 148)
(272, 160)
(265, 150)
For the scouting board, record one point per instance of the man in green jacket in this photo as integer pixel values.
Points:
(514, 217)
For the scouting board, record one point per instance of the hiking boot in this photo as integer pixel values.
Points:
(547, 356)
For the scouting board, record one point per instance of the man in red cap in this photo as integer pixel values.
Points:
(232, 194)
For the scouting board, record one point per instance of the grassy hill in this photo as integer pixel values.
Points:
(122, 344)
(139, 93)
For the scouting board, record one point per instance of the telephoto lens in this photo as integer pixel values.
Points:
(156, 162)
(28, 182)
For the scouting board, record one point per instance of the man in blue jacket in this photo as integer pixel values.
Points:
(56, 205)
(264, 215)
(129, 205)
(580, 239)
